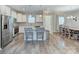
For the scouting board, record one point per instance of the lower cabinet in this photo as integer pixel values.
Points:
(30, 35)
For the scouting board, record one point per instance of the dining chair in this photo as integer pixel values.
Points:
(60, 29)
(76, 35)
(64, 32)
(67, 33)
(29, 34)
(40, 33)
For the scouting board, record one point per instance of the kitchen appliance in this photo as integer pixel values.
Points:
(11, 25)
(16, 30)
(5, 30)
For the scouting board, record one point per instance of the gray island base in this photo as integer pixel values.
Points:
(36, 34)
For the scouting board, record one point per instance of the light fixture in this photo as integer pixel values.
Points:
(68, 17)
(40, 15)
(46, 11)
(75, 18)
(72, 17)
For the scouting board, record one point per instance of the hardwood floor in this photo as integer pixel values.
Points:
(56, 45)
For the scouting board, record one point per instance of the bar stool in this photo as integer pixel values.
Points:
(40, 33)
(29, 34)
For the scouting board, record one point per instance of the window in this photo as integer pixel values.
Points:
(61, 20)
(31, 19)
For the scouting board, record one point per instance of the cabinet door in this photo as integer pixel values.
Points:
(39, 18)
(5, 10)
(19, 17)
(13, 14)
(24, 18)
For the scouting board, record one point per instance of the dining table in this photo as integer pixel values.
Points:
(74, 28)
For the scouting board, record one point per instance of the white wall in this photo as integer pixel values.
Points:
(55, 23)
(71, 22)
(51, 23)
(47, 22)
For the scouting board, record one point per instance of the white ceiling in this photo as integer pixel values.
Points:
(41, 8)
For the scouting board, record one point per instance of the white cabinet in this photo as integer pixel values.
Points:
(21, 17)
(13, 14)
(39, 18)
(5, 10)
(24, 19)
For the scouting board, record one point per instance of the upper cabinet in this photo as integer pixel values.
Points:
(39, 18)
(21, 17)
(5, 10)
(13, 14)
(24, 19)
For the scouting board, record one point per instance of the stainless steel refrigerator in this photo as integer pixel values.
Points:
(5, 31)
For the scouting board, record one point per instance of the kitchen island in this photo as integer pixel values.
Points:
(35, 34)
